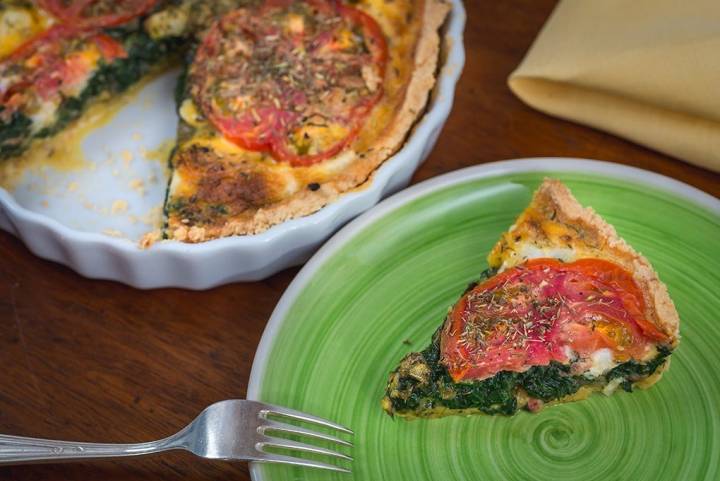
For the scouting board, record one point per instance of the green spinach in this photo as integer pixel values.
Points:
(422, 383)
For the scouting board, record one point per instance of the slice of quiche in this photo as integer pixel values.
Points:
(56, 57)
(566, 308)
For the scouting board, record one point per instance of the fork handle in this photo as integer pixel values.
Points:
(22, 450)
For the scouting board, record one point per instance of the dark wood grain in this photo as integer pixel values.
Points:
(99, 361)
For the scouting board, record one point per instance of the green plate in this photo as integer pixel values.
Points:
(382, 285)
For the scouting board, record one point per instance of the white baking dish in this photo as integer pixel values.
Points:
(46, 212)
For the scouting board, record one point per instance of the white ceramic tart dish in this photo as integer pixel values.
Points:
(78, 231)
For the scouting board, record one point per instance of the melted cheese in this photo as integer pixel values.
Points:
(177, 184)
(526, 251)
(43, 115)
(601, 361)
(189, 113)
(321, 137)
(223, 146)
(612, 386)
(18, 24)
(336, 164)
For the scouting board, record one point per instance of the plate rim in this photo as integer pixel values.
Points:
(63, 244)
(456, 177)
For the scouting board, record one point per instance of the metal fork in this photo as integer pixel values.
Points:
(233, 430)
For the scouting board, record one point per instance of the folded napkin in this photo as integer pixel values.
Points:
(646, 70)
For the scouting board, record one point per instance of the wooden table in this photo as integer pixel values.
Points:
(99, 361)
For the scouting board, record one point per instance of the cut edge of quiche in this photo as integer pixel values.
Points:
(566, 308)
(321, 184)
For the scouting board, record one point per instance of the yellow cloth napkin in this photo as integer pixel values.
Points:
(646, 70)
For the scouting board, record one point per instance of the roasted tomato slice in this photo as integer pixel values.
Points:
(52, 66)
(545, 310)
(294, 78)
(96, 13)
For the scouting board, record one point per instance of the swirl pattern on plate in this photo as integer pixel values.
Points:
(384, 292)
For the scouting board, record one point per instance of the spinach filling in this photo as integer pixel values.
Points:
(13, 134)
(111, 78)
(421, 384)
(633, 370)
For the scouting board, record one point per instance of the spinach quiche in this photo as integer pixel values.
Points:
(566, 308)
(285, 105)
(58, 56)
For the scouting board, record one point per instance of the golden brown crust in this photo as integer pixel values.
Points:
(555, 219)
(358, 168)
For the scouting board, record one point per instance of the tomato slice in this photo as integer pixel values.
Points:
(97, 13)
(530, 314)
(252, 131)
(52, 65)
(293, 78)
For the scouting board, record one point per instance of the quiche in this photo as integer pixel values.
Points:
(56, 57)
(565, 309)
(285, 105)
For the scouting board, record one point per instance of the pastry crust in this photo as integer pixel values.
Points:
(556, 222)
(352, 170)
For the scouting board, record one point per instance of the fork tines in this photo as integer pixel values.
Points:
(273, 426)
